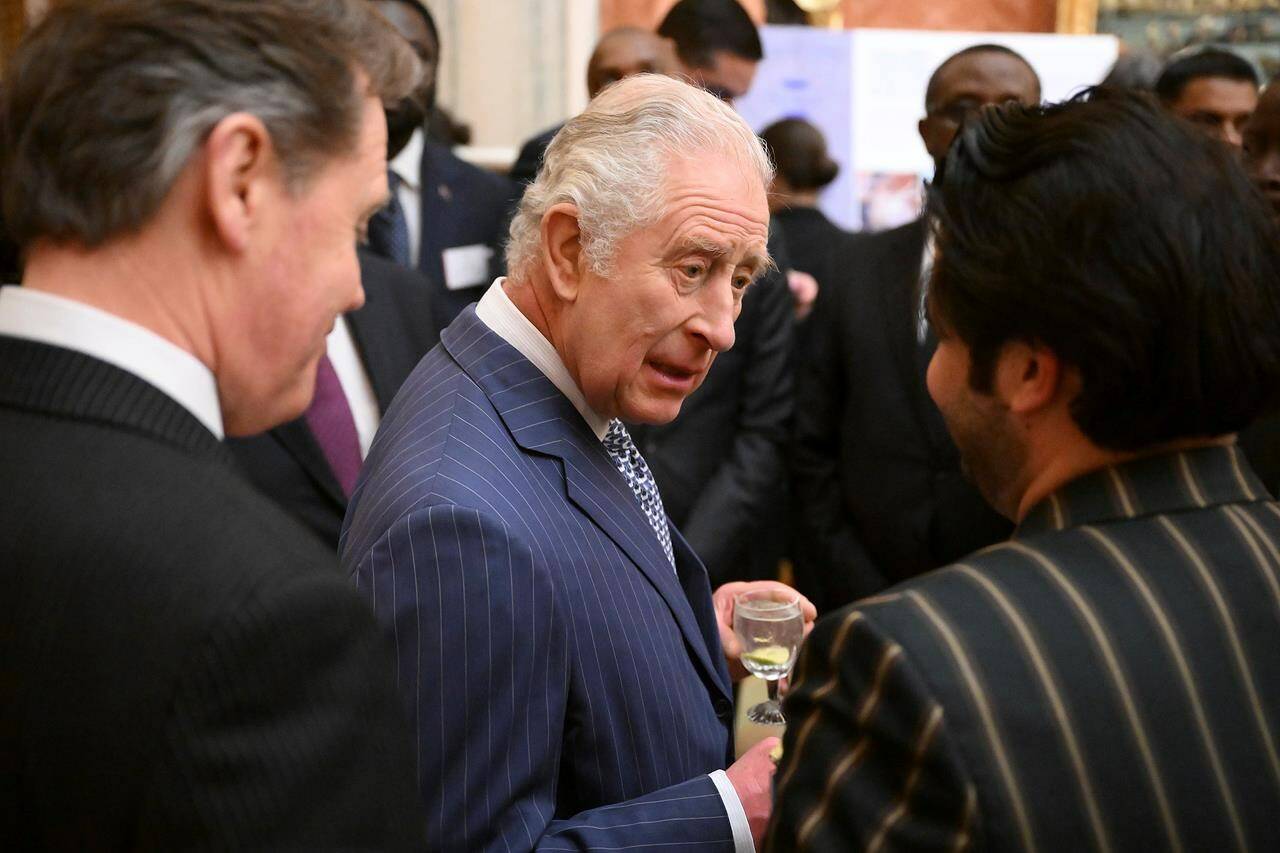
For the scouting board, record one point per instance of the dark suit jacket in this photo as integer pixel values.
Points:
(720, 465)
(568, 684)
(880, 497)
(181, 665)
(810, 238)
(529, 160)
(391, 331)
(1108, 679)
(462, 205)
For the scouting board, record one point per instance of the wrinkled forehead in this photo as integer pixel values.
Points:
(716, 197)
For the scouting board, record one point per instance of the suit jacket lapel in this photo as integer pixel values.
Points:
(543, 421)
(697, 590)
(372, 346)
(296, 438)
(901, 293)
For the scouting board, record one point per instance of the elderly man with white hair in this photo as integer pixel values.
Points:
(559, 648)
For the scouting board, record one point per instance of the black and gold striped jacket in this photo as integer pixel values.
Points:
(1108, 679)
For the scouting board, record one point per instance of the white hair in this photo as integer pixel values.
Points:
(610, 162)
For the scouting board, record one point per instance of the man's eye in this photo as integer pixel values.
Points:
(692, 270)
(741, 282)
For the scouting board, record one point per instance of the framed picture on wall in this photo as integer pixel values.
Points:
(1250, 28)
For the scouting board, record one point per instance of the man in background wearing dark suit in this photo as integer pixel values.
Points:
(447, 217)
(181, 667)
(619, 54)
(1108, 679)
(309, 465)
(880, 495)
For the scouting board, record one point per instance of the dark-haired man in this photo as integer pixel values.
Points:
(1213, 89)
(1108, 679)
(619, 54)
(717, 45)
(447, 217)
(878, 484)
(181, 665)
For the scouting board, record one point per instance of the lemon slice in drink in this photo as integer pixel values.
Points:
(768, 656)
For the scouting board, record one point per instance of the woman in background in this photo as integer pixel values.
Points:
(803, 169)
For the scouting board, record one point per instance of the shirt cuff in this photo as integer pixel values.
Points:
(742, 842)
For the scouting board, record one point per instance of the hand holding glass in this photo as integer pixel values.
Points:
(770, 626)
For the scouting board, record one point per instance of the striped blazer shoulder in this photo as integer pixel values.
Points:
(1108, 679)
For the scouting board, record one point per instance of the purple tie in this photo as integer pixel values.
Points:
(335, 430)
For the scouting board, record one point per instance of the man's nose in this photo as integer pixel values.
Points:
(1232, 136)
(719, 311)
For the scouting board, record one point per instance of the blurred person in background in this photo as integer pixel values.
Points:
(1261, 440)
(1214, 89)
(717, 45)
(804, 168)
(309, 465)
(879, 489)
(619, 54)
(1108, 679)
(1261, 142)
(182, 666)
(446, 217)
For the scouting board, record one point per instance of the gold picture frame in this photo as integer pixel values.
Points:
(1077, 17)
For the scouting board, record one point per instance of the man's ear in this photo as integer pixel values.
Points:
(240, 170)
(936, 137)
(1029, 377)
(562, 250)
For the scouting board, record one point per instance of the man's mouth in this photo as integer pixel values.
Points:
(678, 376)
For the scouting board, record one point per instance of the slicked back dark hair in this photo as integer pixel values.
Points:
(700, 28)
(1212, 62)
(1131, 246)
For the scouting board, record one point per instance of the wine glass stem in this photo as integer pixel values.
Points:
(772, 686)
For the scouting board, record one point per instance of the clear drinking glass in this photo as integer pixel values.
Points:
(770, 627)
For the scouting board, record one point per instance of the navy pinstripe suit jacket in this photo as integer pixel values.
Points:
(568, 687)
(1109, 680)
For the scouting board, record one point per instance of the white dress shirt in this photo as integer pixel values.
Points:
(44, 317)
(356, 386)
(408, 167)
(504, 319)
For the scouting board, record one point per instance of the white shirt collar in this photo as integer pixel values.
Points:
(500, 314)
(44, 317)
(408, 163)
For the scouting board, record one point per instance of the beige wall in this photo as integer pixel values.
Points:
(511, 68)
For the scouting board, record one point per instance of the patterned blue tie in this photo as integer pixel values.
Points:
(627, 459)
(388, 229)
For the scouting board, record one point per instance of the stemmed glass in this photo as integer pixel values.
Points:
(770, 627)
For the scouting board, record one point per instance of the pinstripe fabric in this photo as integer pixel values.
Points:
(1109, 679)
(568, 688)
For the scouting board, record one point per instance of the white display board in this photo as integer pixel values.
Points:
(865, 90)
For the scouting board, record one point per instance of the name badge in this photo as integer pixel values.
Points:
(466, 266)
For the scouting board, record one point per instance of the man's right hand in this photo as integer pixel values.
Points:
(752, 778)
